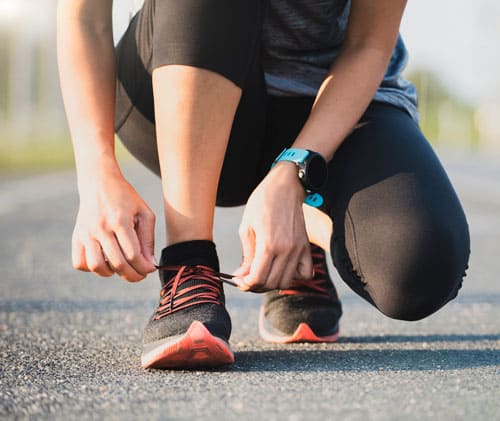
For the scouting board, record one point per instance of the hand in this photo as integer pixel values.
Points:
(114, 231)
(275, 246)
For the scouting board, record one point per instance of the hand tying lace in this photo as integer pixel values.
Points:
(320, 282)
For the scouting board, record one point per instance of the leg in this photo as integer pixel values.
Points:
(195, 58)
(196, 53)
(195, 107)
(400, 238)
(193, 125)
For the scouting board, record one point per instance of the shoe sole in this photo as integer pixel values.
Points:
(303, 333)
(197, 348)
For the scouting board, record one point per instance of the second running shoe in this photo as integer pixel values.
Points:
(308, 311)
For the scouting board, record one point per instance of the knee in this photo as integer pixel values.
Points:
(417, 300)
(220, 36)
(423, 274)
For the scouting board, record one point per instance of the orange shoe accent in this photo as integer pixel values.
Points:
(197, 348)
(303, 333)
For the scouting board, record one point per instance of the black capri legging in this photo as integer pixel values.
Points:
(401, 238)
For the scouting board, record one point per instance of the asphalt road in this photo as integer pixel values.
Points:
(70, 342)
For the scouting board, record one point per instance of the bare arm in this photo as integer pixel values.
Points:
(355, 76)
(273, 234)
(114, 231)
(87, 73)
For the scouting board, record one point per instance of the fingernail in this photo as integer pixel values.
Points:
(237, 272)
(238, 281)
(153, 259)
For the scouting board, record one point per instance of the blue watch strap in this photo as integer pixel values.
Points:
(315, 200)
(293, 154)
(298, 156)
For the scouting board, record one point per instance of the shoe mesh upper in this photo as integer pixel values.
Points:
(314, 302)
(191, 285)
(189, 293)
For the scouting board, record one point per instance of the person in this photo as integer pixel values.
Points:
(297, 109)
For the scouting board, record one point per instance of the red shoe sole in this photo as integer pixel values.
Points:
(197, 348)
(303, 333)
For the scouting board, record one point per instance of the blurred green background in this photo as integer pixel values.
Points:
(454, 62)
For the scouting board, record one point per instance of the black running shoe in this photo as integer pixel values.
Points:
(309, 311)
(190, 327)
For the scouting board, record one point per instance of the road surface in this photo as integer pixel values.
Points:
(70, 342)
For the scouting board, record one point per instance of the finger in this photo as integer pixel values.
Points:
(277, 270)
(96, 261)
(145, 228)
(304, 268)
(131, 249)
(116, 259)
(247, 238)
(78, 258)
(291, 271)
(306, 259)
(259, 271)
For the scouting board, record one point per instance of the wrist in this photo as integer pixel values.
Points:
(95, 155)
(98, 172)
(94, 150)
(311, 170)
(286, 172)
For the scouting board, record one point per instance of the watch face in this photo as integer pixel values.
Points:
(316, 172)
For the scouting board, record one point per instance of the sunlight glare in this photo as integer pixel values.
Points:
(9, 10)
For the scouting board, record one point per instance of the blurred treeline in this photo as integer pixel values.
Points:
(33, 131)
(447, 120)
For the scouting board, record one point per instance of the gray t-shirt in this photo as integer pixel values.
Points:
(301, 40)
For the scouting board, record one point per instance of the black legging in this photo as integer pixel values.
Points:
(400, 240)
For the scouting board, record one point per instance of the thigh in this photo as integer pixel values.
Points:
(400, 235)
(285, 117)
(264, 125)
(134, 103)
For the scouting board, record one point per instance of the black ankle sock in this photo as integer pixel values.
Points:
(190, 253)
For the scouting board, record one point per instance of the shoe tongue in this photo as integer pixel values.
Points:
(188, 253)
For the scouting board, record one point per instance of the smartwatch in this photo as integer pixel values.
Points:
(312, 172)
